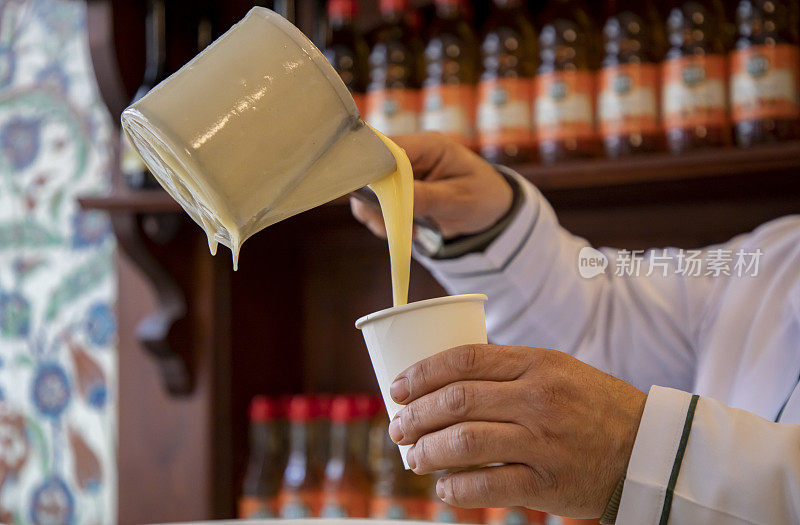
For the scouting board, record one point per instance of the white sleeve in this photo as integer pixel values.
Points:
(696, 460)
(640, 329)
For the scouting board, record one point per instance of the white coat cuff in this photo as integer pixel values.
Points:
(503, 249)
(657, 453)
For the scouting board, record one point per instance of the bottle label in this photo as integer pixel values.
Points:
(294, 505)
(256, 507)
(764, 82)
(564, 107)
(444, 513)
(515, 516)
(694, 92)
(628, 100)
(399, 508)
(393, 111)
(450, 109)
(504, 112)
(345, 504)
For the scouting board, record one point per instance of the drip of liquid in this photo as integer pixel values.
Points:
(396, 196)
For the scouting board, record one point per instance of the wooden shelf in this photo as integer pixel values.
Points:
(144, 201)
(576, 175)
(663, 167)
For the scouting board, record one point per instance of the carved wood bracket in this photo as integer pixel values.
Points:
(161, 332)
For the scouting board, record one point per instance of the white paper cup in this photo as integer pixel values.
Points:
(401, 336)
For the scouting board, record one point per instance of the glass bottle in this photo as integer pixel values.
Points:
(322, 404)
(629, 84)
(564, 108)
(365, 413)
(451, 67)
(262, 479)
(505, 92)
(134, 171)
(764, 72)
(694, 98)
(397, 493)
(393, 101)
(300, 495)
(346, 49)
(346, 487)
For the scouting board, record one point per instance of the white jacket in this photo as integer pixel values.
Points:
(733, 340)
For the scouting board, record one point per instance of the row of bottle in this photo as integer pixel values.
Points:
(322, 456)
(645, 84)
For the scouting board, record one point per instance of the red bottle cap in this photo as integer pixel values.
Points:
(263, 409)
(393, 6)
(322, 406)
(376, 406)
(342, 8)
(368, 406)
(343, 409)
(301, 409)
(363, 406)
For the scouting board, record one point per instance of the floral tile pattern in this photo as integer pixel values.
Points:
(57, 281)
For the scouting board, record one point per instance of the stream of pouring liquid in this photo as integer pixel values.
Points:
(396, 196)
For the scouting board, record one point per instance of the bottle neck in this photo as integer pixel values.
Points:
(300, 438)
(339, 21)
(340, 433)
(392, 16)
(508, 4)
(263, 439)
(156, 43)
(449, 10)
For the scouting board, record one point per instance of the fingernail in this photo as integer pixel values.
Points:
(410, 459)
(399, 390)
(440, 489)
(395, 431)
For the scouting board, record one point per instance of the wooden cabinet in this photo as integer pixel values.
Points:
(198, 340)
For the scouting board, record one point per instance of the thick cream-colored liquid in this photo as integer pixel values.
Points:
(396, 196)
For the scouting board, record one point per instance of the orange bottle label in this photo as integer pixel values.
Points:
(345, 504)
(564, 107)
(764, 82)
(360, 100)
(444, 513)
(515, 516)
(450, 109)
(695, 92)
(399, 508)
(628, 99)
(504, 112)
(393, 111)
(255, 507)
(302, 504)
